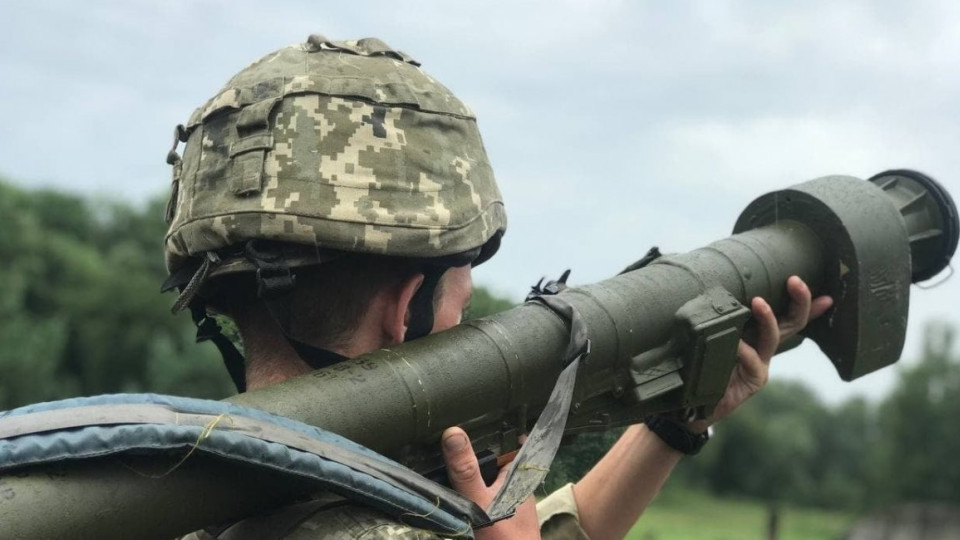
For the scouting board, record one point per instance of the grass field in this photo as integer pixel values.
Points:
(681, 515)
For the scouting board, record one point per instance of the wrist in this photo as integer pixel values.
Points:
(698, 426)
(678, 436)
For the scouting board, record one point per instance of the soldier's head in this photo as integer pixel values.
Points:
(329, 199)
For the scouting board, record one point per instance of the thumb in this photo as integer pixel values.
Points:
(462, 466)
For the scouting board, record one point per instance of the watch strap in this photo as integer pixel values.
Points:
(676, 435)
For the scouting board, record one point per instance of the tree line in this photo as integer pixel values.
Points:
(81, 314)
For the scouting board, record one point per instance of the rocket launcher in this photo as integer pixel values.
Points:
(663, 339)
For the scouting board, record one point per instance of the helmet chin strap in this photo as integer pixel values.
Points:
(421, 305)
(276, 285)
(209, 330)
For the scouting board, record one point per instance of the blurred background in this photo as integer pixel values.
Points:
(612, 126)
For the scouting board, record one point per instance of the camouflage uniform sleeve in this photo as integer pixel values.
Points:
(354, 522)
(559, 517)
(393, 531)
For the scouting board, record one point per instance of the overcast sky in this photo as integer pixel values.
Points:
(612, 126)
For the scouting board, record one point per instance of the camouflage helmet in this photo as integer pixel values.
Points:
(331, 146)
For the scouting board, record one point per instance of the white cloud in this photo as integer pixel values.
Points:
(757, 153)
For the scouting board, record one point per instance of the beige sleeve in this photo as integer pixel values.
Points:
(559, 517)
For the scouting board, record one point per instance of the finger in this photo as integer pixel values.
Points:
(768, 332)
(504, 462)
(753, 368)
(501, 478)
(799, 311)
(462, 466)
(820, 306)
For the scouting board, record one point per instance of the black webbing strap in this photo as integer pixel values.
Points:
(275, 281)
(207, 327)
(209, 330)
(276, 284)
(533, 462)
(652, 255)
(421, 305)
(315, 357)
(198, 276)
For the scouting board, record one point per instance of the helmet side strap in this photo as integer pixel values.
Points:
(276, 285)
(421, 305)
(209, 330)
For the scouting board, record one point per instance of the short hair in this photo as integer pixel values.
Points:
(329, 301)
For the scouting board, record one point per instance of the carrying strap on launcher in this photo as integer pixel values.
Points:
(651, 255)
(533, 462)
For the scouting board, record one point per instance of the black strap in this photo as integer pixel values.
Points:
(207, 327)
(652, 255)
(421, 305)
(275, 281)
(315, 357)
(209, 330)
(676, 435)
(198, 275)
(276, 284)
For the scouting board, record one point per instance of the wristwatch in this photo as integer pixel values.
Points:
(676, 435)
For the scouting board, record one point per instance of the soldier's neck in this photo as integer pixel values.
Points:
(277, 361)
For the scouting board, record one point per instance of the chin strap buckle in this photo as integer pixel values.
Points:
(274, 278)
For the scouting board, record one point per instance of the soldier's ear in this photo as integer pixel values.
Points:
(396, 316)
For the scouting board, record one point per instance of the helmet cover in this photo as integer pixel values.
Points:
(332, 145)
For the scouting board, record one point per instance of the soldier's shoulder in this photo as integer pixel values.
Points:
(354, 522)
(327, 516)
(349, 521)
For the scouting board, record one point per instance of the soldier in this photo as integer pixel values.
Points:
(331, 200)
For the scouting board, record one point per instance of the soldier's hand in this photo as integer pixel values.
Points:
(465, 477)
(753, 360)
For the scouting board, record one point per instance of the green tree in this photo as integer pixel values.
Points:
(80, 311)
(917, 422)
(32, 342)
(483, 303)
(847, 459)
(766, 449)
